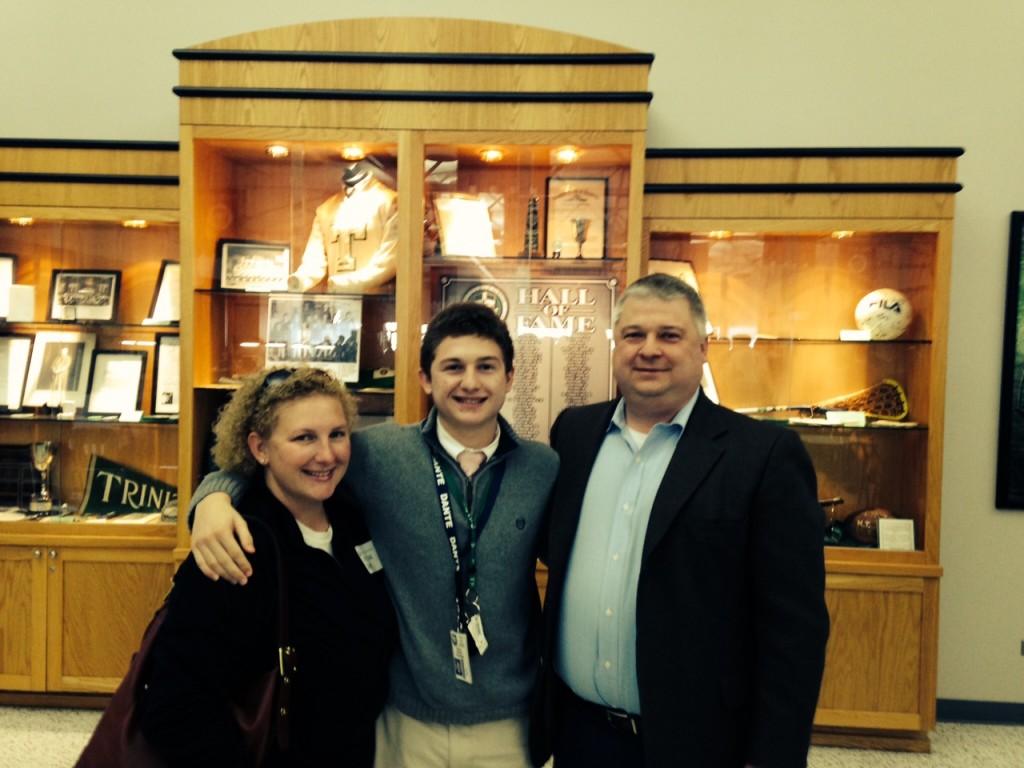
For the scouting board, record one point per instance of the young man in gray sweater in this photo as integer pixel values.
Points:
(455, 507)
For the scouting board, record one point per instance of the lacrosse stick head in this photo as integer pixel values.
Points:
(884, 400)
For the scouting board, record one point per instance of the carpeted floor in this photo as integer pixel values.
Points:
(52, 738)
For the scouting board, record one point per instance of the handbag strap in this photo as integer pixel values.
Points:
(285, 651)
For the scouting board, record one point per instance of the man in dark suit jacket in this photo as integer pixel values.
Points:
(685, 618)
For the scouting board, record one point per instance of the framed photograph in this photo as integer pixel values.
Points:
(115, 381)
(15, 350)
(8, 264)
(58, 370)
(322, 331)
(577, 213)
(166, 306)
(253, 265)
(1010, 462)
(166, 374)
(464, 225)
(84, 296)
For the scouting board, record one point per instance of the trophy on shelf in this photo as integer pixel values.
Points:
(580, 227)
(42, 458)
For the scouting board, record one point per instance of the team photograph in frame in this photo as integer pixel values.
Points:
(1010, 457)
(167, 375)
(58, 370)
(577, 215)
(115, 381)
(253, 265)
(84, 296)
(165, 308)
(322, 331)
(15, 350)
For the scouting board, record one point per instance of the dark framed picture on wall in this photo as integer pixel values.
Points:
(253, 265)
(1010, 463)
(166, 374)
(84, 296)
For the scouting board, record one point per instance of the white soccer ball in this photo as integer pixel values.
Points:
(885, 314)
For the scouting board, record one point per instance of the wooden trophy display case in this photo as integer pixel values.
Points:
(88, 300)
(825, 274)
(452, 137)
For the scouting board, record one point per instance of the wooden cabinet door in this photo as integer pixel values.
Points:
(22, 619)
(880, 662)
(99, 601)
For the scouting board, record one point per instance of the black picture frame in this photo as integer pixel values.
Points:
(108, 394)
(165, 308)
(1010, 461)
(166, 399)
(571, 200)
(256, 266)
(84, 295)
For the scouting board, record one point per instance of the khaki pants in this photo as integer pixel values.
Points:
(404, 742)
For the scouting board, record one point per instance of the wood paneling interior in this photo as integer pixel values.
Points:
(151, 448)
(524, 173)
(415, 76)
(415, 115)
(727, 206)
(48, 245)
(800, 170)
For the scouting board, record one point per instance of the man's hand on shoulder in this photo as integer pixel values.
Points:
(220, 539)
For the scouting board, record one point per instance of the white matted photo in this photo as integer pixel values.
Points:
(464, 225)
(166, 306)
(84, 295)
(59, 368)
(167, 374)
(322, 331)
(14, 355)
(7, 271)
(253, 265)
(115, 381)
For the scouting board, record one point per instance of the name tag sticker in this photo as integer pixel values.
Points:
(368, 554)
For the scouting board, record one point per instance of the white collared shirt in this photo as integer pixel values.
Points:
(453, 447)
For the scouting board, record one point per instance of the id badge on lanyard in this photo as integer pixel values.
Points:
(467, 607)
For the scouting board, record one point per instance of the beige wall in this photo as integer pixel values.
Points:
(727, 73)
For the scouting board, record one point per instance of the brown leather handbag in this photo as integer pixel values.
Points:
(263, 707)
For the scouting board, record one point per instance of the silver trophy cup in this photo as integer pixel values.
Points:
(42, 458)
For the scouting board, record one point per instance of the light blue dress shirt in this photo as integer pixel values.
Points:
(596, 648)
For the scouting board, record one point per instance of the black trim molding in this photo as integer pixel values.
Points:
(808, 152)
(317, 94)
(801, 189)
(89, 178)
(149, 146)
(375, 57)
(992, 712)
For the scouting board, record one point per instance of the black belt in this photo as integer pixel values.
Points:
(618, 720)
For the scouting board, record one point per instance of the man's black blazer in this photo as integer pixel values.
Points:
(731, 617)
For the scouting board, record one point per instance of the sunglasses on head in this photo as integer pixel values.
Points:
(282, 375)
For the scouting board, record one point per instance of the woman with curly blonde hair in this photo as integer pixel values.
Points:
(288, 431)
